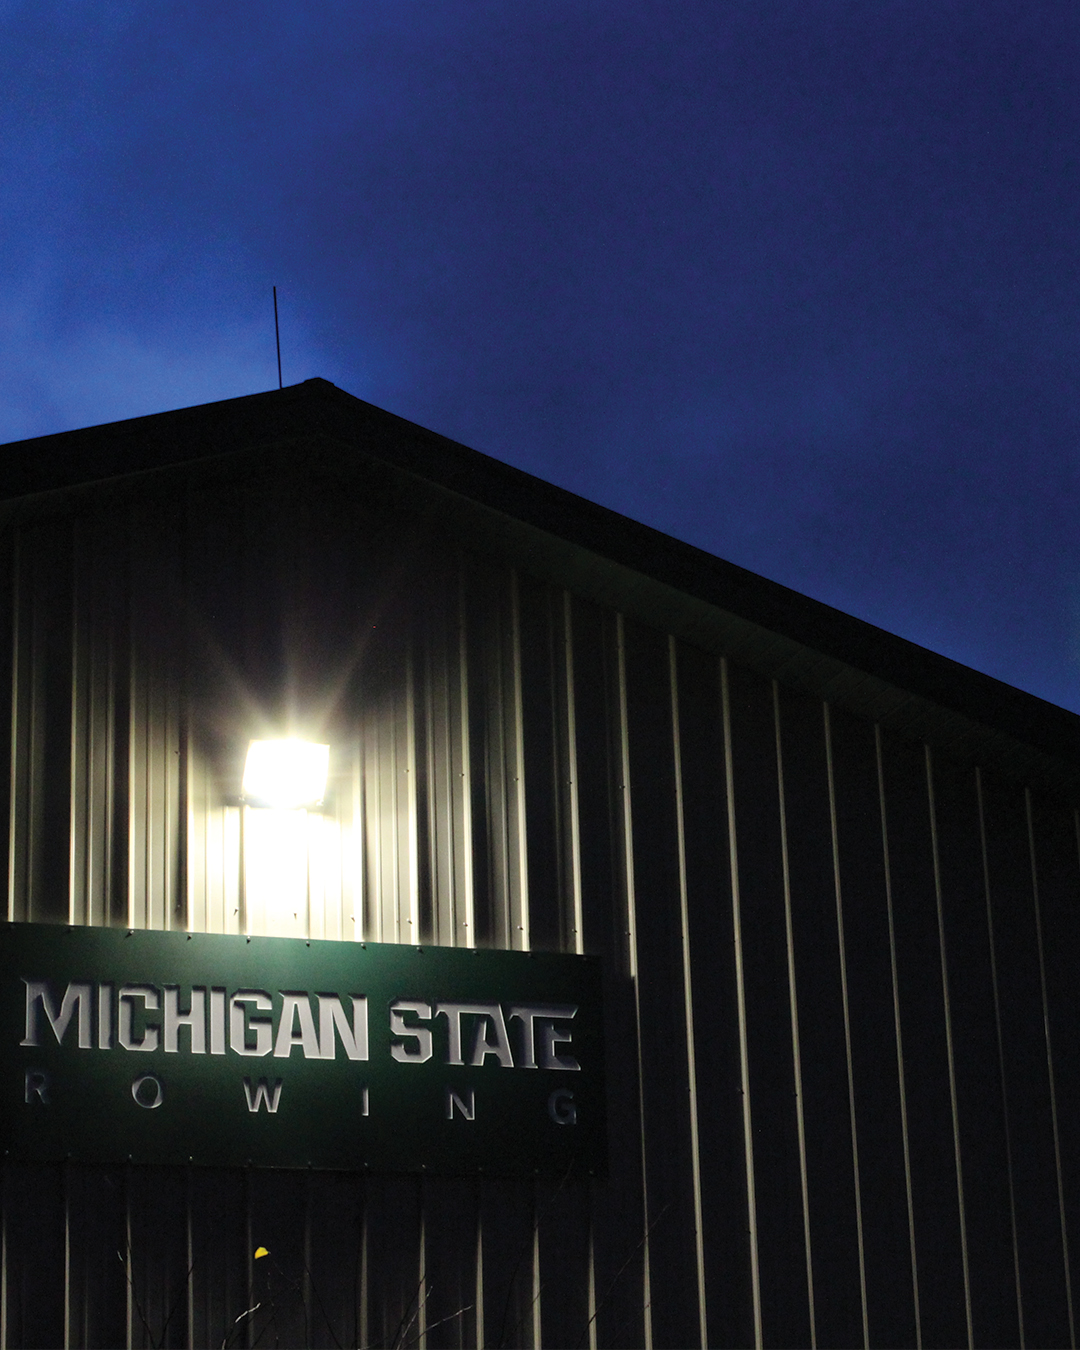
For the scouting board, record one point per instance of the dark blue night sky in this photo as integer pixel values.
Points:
(795, 280)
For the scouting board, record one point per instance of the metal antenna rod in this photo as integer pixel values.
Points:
(277, 339)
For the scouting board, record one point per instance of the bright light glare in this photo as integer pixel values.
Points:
(286, 774)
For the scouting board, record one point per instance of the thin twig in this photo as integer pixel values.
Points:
(618, 1274)
(403, 1332)
(563, 1179)
(402, 1324)
(322, 1305)
(460, 1313)
(246, 1313)
(135, 1299)
(295, 1286)
(360, 1216)
(619, 1326)
(176, 1302)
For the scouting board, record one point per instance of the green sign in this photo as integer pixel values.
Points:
(224, 1051)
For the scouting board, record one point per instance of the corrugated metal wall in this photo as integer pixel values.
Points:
(842, 1007)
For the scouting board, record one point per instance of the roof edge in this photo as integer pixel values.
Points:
(622, 562)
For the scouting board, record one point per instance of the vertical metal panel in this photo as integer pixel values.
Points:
(894, 989)
(89, 745)
(351, 789)
(809, 937)
(65, 1181)
(507, 1216)
(18, 796)
(36, 1261)
(40, 802)
(1031, 1128)
(777, 1165)
(950, 1048)
(875, 1058)
(362, 1283)
(281, 1281)
(562, 1266)
(548, 738)
(817, 973)
(95, 1236)
(921, 1001)
(571, 815)
(451, 1209)
(543, 767)
(845, 1002)
(793, 1008)
(4, 1229)
(501, 889)
(9, 730)
(981, 1122)
(127, 1254)
(389, 772)
(688, 997)
(635, 1105)
(1066, 1271)
(461, 796)
(725, 1215)
(619, 1236)
(517, 833)
(156, 684)
(394, 1291)
(480, 1304)
(741, 1006)
(1054, 835)
(1002, 1075)
(191, 1306)
(447, 792)
(337, 1260)
(667, 1136)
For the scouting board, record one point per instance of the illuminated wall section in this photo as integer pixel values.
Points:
(839, 925)
(145, 662)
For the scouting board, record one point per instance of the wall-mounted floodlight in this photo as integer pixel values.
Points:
(285, 774)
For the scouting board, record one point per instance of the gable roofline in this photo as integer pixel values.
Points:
(595, 551)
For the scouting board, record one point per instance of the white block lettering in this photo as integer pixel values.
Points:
(262, 1094)
(562, 1108)
(458, 1104)
(296, 1007)
(354, 1039)
(194, 1019)
(76, 997)
(405, 1054)
(240, 1026)
(148, 1091)
(217, 1021)
(492, 1015)
(550, 1037)
(36, 1085)
(482, 1047)
(104, 1017)
(546, 1015)
(126, 1016)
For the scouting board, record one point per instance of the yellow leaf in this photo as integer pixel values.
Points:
(261, 1251)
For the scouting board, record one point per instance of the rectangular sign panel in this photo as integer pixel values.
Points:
(224, 1051)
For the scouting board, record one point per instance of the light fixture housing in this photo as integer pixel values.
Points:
(286, 774)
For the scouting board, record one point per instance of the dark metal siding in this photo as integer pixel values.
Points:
(840, 984)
